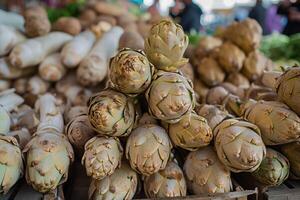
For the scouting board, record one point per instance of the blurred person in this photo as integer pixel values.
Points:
(274, 22)
(258, 12)
(292, 12)
(189, 16)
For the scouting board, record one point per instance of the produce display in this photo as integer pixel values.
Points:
(147, 114)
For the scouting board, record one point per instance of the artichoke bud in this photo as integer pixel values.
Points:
(239, 145)
(170, 96)
(191, 132)
(273, 170)
(111, 113)
(102, 156)
(166, 45)
(148, 149)
(292, 152)
(168, 182)
(130, 72)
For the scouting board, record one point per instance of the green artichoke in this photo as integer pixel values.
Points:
(273, 170)
(11, 163)
(170, 96)
(148, 149)
(288, 88)
(130, 72)
(292, 152)
(277, 123)
(122, 184)
(205, 173)
(168, 182)
(49, 156)
(191, 132)
(239, 145)
(111, 113)
(166, 45)
(102, 156)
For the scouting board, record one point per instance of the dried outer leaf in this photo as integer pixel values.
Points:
(168, 182)
(277, 123)
(205, 173)
(288, 88)
(273, 170)
(246, 34)
(49, 156)
(191, 132)
(230, 57)
(238, 79)
(122, 184)
(11, 163)
(239, 145)
(212, 113)
(201, 90)
(148, 149)
(210, 71)
(130, 72)
(111, 113)
(292, 152)
(165, 45)
(254, 65)
(216, 95)
(187, 71)
(102, 156)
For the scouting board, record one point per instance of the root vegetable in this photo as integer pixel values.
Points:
(74, 112)
(201, 90)
(75, 50)
(7, 71)
(216, 95)
(21, 85)
(37, 86)
(239, 80)
(70, 25)
(131, 39)
(93, 69)
(4, 85)
(187, 71)
(22, 135)
(51, 69)
(9, 37)
(36, 21)
(33, 51)
(87, 18)
(105, 8)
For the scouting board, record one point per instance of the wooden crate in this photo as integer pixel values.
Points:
(79, 183)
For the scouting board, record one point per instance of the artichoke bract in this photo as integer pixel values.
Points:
(288, 88)
(168, 182)
(205, 173)
(148, 149)
(130, 72)
(102, 156)
(122, 184)
(277, 123)
(111, 113)
(292, 152)
(165, 45)
(170, 96)
(11, 163)
(191, 132)
(239, 145)
(273, 170)
(147, 119)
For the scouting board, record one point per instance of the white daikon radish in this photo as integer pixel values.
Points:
(51, 69)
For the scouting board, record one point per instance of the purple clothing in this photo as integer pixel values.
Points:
(273, 20)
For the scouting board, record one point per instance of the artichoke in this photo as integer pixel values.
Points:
(187, 71)
(79, 131)
(230, 57)
(205, 173)
(288, 88)
(191, 132)
(122, 184)
(201, 90)
(168, 182)
(292, 152)
(277, 123)
(148, 149)
(210, 71)
(147, 119)
(111, 113)
(246, 34)
(216, 95)
(165, 45)
(102, 156)
(130, 72)
(213, 114)
(170, 96)
(11, 163)
(254, 65)
(239, 80)
(273, 170)
(239, 145)
(48, 159)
